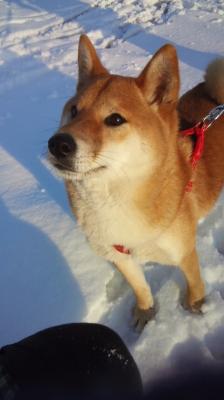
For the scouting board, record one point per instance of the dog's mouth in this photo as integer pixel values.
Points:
(66, 169)
(62, 167)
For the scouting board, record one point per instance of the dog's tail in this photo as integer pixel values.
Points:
(214, 80)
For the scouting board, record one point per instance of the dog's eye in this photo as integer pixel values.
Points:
(74, 111)
(114, 120)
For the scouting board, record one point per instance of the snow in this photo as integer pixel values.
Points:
(48, 273)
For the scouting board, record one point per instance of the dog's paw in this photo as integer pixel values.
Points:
(141, 317)
(195, 308)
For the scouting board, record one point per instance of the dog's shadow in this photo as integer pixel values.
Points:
(37, 289)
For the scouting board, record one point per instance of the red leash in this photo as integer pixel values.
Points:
(199, 132)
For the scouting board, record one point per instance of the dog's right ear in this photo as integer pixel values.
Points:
(159, 80)
(88, 61)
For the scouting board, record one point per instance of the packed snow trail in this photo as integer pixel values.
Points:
(48, 273)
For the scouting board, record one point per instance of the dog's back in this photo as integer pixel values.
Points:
(193, 107)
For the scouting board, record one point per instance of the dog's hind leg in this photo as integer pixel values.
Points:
(134, 275)
(195, 285)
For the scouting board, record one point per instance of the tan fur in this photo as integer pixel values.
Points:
(128, 182)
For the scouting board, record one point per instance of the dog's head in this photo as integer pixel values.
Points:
(117, 126)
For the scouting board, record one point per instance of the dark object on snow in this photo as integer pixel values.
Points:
(74, 361)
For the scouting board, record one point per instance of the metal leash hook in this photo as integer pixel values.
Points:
(213, 115)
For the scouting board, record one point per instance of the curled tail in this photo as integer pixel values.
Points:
(214, 80)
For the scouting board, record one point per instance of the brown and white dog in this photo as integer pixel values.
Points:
(126, 167)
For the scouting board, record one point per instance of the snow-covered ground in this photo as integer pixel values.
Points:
(48, 273)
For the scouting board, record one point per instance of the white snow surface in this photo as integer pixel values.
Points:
(48, 273)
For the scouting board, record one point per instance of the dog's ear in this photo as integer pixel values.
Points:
(159, 80)
(88, 61)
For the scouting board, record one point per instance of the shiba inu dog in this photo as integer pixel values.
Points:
(126, 167)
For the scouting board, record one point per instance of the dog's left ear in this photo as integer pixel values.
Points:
(88, 61)
(159, 80)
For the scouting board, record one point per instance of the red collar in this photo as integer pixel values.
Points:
(121, 249)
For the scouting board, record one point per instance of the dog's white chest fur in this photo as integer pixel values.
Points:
(109, 218)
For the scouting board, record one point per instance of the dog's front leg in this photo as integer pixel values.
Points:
(134, 275)
(195, 285)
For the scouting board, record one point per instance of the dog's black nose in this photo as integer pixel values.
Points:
(61, 145)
